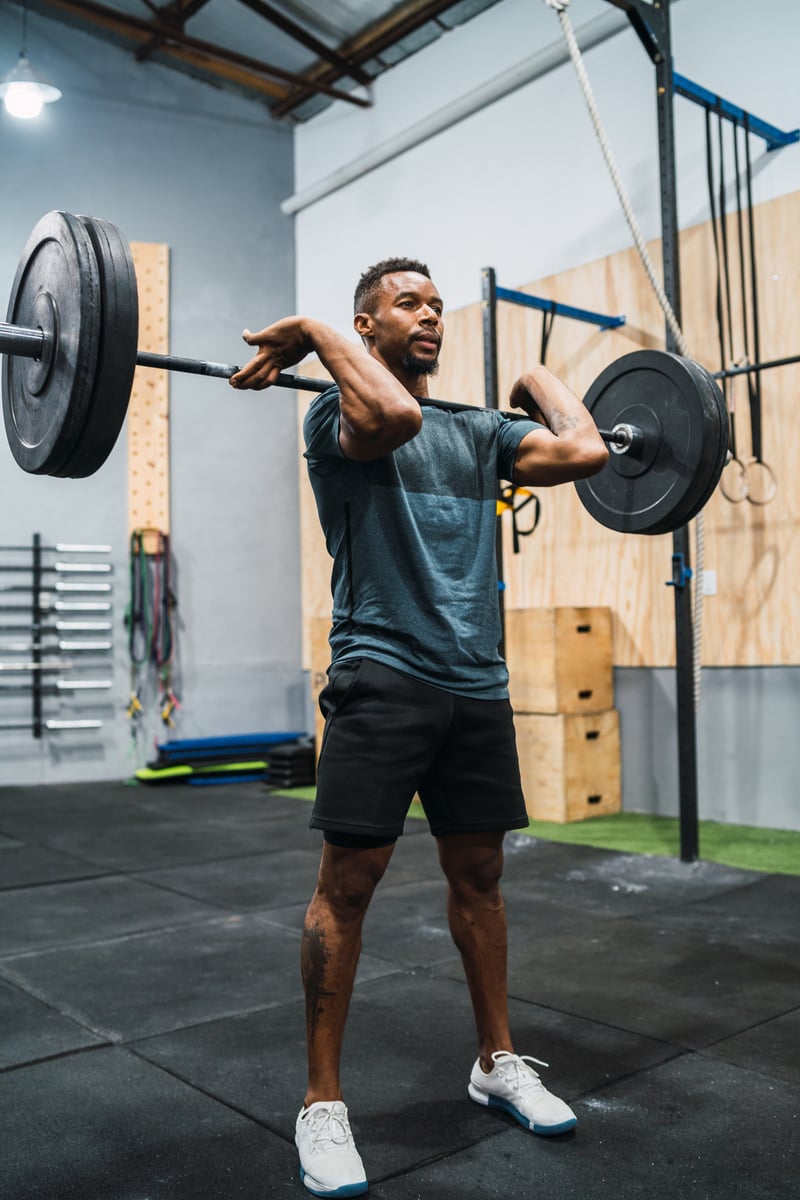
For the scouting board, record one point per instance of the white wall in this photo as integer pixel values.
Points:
(170, 160)
(522, 186)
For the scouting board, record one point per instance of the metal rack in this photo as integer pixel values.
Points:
(651, 22)
(47, 604)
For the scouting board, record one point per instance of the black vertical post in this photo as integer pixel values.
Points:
(684, 643)
(492, 400)
(36, 631)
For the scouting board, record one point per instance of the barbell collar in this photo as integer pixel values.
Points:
(623, 437)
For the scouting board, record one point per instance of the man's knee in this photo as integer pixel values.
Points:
(472, 862)
(348, 877)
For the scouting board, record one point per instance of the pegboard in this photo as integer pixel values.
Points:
(148, 413)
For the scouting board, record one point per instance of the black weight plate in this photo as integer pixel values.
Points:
(116, 355)
(56, 289)
(711, 470)
(698, 491)
(656, 499)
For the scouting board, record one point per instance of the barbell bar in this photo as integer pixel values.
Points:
(70, 346)
(19, 342)
(33, 343)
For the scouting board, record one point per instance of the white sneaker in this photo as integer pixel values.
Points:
(515, 1087)
(330, 1165)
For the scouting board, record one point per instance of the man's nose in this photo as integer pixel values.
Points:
(429, 315)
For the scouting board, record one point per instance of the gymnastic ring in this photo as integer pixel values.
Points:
(772, 483)
(735, 499)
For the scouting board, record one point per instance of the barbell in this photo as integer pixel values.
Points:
(70, 346)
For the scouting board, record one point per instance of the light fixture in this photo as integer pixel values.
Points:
(25, 91)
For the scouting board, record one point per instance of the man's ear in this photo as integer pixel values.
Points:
(362, 323)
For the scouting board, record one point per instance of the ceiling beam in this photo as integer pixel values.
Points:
(368, 44)
(344, 65)
(211, 58)
(175, 15)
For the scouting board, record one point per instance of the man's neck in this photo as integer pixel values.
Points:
(416, 384)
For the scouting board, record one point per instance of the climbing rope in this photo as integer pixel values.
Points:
(560, 6)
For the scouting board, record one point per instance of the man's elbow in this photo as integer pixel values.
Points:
(398, 426)
(379, 436)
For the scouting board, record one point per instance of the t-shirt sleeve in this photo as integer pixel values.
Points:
(509, 435)
(321, 430)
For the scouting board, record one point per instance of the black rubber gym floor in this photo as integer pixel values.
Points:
(151, 1013)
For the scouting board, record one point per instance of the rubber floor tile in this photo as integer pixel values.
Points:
(239, 802)
(685, 1129)
(22, 865)
(641, 974)
(768, 910)
(605, 883)
(32, 1030)
(135, 839)
(772, 1047)
(151, 982)
(254, 881)
(57, 797)
(106, 1126)
(409, 1049)
(88, 910)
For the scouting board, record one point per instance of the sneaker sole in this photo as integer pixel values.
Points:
(507, 1107)
(347, 1189)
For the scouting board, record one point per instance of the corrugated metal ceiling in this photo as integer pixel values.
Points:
(295, 56)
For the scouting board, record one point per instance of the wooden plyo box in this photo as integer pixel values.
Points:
(570, 764)
(559, 659)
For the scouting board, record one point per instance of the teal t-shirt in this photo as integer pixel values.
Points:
(412, 537)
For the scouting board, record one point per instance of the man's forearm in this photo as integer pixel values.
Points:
(372, 400)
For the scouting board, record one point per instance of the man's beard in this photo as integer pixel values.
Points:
(419, 366)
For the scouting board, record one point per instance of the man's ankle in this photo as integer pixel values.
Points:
(315, 1095)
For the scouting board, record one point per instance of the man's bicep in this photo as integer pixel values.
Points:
(534, 451)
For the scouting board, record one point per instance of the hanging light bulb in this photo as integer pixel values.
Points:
(24, 91)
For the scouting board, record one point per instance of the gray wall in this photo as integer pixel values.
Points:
(170, 160)
(748, 758)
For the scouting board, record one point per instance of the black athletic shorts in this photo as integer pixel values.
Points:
(389, 736)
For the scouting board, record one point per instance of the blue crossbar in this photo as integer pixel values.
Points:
(775, 138)
(560, 310)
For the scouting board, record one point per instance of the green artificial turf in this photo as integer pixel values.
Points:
(775, 851)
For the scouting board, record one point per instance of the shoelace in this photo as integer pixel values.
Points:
(328, 1129)
(516, 1065)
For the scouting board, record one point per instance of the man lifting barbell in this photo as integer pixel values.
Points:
(406, 488)
(417, 693)
(70, 343)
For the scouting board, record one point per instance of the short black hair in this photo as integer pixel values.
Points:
(369, 285)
